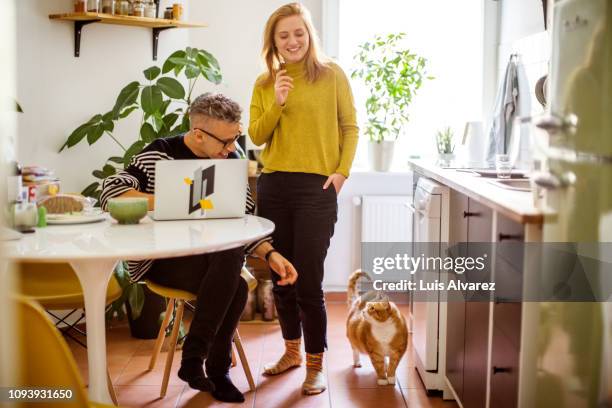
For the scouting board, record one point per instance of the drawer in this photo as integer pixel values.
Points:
(507, 320)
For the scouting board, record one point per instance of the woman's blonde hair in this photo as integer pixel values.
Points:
(314, 58)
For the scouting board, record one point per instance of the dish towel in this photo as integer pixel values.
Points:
(506, 107)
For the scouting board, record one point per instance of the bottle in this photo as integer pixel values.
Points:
(79, 6)
(14, 183)
(168, 13)
(108, 7)
(139, 8)
(93, 6)
(177, 11)
(150, 9)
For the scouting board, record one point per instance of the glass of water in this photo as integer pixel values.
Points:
(503, 166)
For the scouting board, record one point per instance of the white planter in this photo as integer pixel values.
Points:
(445, 159)
(381, 154)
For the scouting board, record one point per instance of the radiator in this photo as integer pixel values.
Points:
(386, 219)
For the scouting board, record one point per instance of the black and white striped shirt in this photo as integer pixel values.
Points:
(140, 176)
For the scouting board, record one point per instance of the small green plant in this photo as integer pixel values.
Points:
(153, 99)
(393, 74)
(444, 141)
(132, 293)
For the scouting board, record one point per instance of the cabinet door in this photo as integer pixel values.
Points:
(455, 321)
(476, 312)
(504, 371)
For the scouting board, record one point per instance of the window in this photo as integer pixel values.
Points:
(446, 32)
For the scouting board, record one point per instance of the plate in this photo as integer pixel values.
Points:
(67, 219)
(492, 173)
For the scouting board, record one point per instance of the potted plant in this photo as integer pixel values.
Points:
(445, 145)
(162, 102)
(393, 74)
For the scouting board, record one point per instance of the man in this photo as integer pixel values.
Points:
(215, 277)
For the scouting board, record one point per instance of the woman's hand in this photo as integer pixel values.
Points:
(282, 85)
(337, 180)
(283, 268)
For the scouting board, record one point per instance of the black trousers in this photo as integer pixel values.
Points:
(304, 215)
(221, 296)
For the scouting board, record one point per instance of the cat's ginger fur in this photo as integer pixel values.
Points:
(376, 328)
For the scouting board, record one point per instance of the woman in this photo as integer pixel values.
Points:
(302, 108)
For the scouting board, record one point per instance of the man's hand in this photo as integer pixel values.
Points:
(337, 180)
(283, 268)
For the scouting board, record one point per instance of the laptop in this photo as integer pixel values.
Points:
(200, 189)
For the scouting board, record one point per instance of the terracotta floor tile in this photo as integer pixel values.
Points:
(128, 361)
(419, 399)
(289, 398)
(147, 396)
(382, 397)
(196, 399)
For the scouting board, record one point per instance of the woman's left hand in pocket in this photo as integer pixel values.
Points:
(337, 180)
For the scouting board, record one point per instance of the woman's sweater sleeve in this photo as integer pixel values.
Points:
(347, 120)
(262, 119)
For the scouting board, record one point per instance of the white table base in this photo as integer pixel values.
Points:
(94, 276)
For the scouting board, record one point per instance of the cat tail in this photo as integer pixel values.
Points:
(352, 293)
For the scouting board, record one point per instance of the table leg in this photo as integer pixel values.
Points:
(94, 276)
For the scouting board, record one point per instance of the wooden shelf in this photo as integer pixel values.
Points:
(156, 24)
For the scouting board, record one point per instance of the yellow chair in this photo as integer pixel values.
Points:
(55, 286)
(45, 359)
(176, 299)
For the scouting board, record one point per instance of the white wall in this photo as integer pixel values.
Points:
(235, 37)
(58, 91)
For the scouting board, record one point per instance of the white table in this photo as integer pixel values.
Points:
(93, 250)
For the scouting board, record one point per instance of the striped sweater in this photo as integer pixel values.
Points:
(140, 176)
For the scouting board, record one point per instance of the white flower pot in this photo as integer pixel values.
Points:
(381, 154)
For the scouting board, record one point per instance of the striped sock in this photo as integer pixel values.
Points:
(315, 382)
(291, 358)
(314, 361)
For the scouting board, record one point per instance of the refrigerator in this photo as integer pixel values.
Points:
(572, 343)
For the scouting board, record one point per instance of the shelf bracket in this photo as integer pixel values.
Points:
(156, 31)
(78, 25)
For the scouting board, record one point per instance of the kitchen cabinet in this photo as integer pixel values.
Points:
(468, 322)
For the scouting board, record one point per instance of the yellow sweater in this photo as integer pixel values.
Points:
(314, 132)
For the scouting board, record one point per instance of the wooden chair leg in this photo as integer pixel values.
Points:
(159, 342)
(111, 389)
(243, 360)
(172, 346)
(233, 358)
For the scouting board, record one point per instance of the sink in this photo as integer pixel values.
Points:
(513, 184)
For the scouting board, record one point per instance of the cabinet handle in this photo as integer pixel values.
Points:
(506, 237)
(470, 214)
(498, 370)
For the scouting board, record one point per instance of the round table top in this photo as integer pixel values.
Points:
(147, 240)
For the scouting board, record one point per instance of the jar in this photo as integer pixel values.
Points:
(139, 8)
(150, 9)
(122, 7)
(177, 11)
(79, 6)
(168, 13)
(108, 7)
(93, 6)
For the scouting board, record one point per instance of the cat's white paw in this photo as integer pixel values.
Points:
(382, 381)
(356, 359)
(391, 380)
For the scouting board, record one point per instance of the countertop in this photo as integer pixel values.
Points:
(516, 205)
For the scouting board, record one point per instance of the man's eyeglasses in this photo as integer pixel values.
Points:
(226, 143)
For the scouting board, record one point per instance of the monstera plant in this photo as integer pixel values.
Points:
(162, 101)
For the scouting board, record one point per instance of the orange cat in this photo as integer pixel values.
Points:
(375, 326)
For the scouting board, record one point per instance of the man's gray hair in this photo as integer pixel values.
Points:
(216, 106)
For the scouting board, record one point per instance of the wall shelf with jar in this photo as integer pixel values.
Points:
(157, 25)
